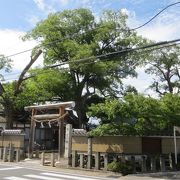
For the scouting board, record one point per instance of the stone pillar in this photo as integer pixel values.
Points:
(68, 141)
(162, 163)
(52, 160)
(70, 160)
(153, 163)
(37, 153)
(11, 153)
(74, 158)
(42, 158)
(97, 160)
(5, 154)
(17, 155)
(170, 161)
(133, 164)
(89, 163)
(123, 160)
(105, 161)
(1, 153)
(81, 160)
(143, 164)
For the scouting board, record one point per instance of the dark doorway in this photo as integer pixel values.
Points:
(151, 145)
(55, 139)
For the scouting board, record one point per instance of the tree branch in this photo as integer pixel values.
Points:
(21, 77)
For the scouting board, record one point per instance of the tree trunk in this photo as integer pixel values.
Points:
(9, 112)
(80, 109)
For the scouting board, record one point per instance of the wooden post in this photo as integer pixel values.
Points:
(61, 135)
(31, 135)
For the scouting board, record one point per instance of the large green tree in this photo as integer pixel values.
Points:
(136, 114)
(164, 66)
(68, 36)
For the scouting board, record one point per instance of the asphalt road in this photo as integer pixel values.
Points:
(9, 172)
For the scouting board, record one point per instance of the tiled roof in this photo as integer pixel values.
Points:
(2, 119)
(12, 132)
(79, 132)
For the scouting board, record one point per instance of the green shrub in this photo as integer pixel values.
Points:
(124, 168)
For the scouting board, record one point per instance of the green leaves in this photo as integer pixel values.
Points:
(136, 114)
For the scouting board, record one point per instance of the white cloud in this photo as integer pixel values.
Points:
(64, 2)
(11, 43)
(164, 27)
(40, 4)
(125, 11)
(33, 20)
(46, 7)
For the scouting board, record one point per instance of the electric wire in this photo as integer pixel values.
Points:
(145, 50)
(173, 4)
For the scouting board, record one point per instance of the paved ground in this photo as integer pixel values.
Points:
(31, 169)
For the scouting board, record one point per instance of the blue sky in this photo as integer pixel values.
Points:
(19, 16)
(22, 15)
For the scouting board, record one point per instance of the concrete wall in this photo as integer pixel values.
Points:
(17, 141)
(117, 144)
(121, 144)
(168, 145)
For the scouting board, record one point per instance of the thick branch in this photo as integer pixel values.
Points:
(20, 80)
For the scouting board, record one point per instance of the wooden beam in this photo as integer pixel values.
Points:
(46, 116)
(51, 106)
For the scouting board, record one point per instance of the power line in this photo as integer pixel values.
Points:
(114, 53)
(144, 48)
(173, 4)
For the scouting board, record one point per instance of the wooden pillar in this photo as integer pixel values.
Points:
(61, 135)
(31, 135)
